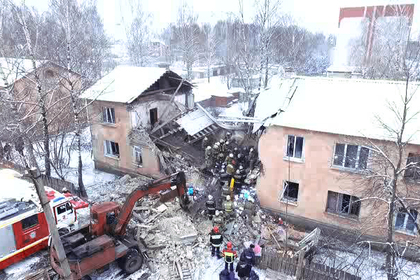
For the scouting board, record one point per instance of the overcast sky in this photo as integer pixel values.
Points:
(315, 15)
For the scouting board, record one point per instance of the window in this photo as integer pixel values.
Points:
(406, 222)
(294, 146)
(413, 172)
(64, 208)
(340, 203)
(290, 191)
(153, 116)
(351, 156)
(108, 115)
(138, 159)
(111, 148)
(29, 222)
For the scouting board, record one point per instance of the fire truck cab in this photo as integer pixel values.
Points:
(23, 226)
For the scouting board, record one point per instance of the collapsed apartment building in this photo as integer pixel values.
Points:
(135, 111)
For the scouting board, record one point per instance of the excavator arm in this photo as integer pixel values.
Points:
(177, 179)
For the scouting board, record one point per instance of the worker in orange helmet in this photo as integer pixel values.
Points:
(216, 240)
(229, 255)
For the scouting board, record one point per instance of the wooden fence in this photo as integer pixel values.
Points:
(315, 271)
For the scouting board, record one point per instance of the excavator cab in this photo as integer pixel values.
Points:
(103, 216)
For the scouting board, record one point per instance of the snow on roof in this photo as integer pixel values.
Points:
(124, 84)
(195, 121)
(14, 69)
(347, 107)
(233, 111)
(204, 90)
(271, 100)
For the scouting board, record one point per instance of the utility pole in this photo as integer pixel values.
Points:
(56, 241)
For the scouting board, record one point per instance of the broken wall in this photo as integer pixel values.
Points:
(118, 133)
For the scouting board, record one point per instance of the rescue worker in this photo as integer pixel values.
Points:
(218, 220)
(208, 157)
(239, 180)
(225, 189)
(216, 240)
(228, 136)
(222, 145)
(211, 207)
(229, 256)
(249, 207)
(205, 142)
(248, 255)
(228, 206)
(243, 269)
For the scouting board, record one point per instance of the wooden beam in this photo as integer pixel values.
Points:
(165, 123)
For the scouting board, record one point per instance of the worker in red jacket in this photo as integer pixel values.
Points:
(229, 255)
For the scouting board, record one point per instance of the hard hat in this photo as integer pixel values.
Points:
(251, 150)
(217, 213)
(216, 229)
(205, 138)
(222, 141)
(227, 142)
(228, 197)
(238, 171)
(241, 167)
(231, 155)
(217, 143)
(215, 146)
(229, 245)
(235, 149)
(210, 197)
(208, 148)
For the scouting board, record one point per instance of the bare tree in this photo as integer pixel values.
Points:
(209, 48)
(187, 31)
(267, 19)
(138, 36)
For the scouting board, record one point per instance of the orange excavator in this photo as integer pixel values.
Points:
(105, 240)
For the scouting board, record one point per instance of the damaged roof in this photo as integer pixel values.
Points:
(124, 84)
(195, 121)
(343, 106)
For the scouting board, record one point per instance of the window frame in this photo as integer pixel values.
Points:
(344, 160)
(112, 155)
(289, 200)
(406, 217)
(415, 169)
(293, 158)
(108, 115)
(32, 225)
(138, 149)
(339, 204)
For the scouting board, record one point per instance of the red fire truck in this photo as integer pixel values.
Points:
(23, 226)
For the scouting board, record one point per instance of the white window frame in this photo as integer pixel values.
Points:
(108, 147)
(293, 158)
(282, 197)
(342, 166)
(404, 229)
(109, 117)
(137, 150)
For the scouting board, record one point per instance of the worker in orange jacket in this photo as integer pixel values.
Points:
(229, 256)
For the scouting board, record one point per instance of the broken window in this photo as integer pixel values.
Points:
(294, 146)
(108, 115)
(153, 116)
(111, 148)
(138, 159)
(351, 156)
(413, 171)
(340, 203)
(290, 191)
(406, 221)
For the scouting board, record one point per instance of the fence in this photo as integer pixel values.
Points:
(315, 271)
